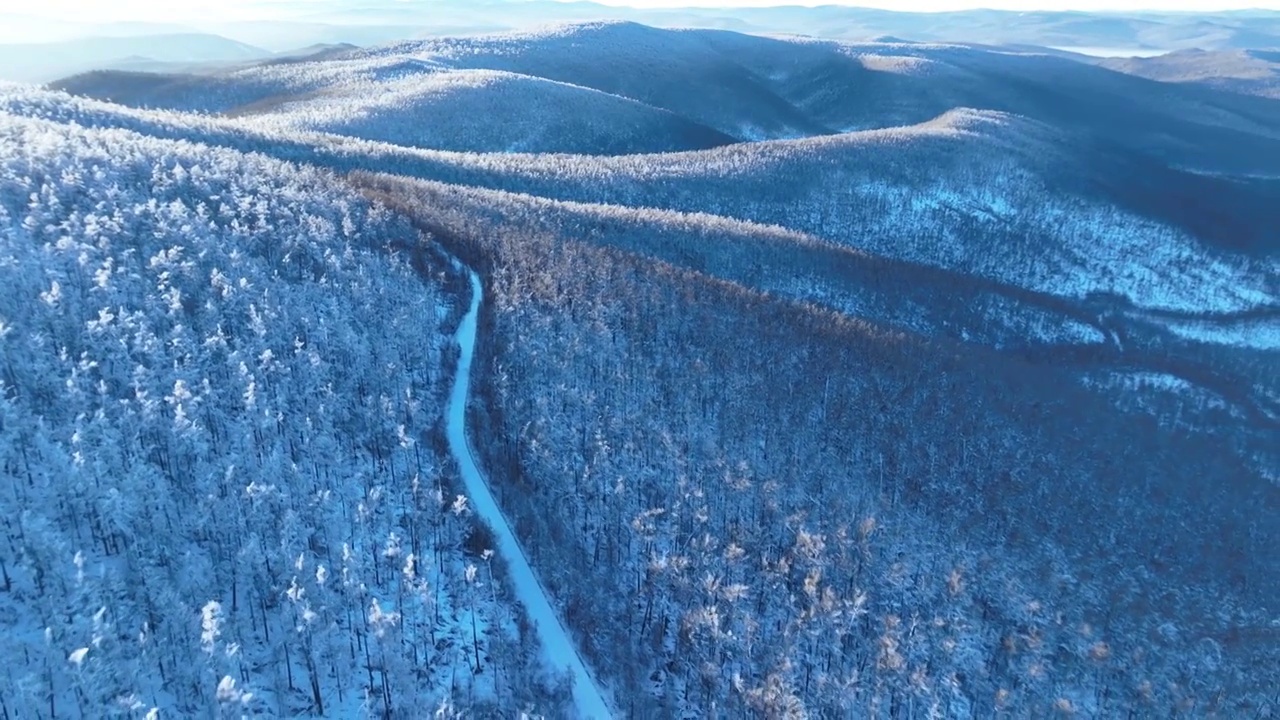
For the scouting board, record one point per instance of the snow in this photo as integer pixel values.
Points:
(437, 108)
(903, 64)
(558, 648)
(1139, 389)
(1261, 334)
(200, 289)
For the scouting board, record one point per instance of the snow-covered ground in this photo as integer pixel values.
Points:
(217, 371)
(557, 646)
(1261, 334)
(1145, 391)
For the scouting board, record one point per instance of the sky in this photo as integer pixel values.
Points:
(184, 10)
(937, 5)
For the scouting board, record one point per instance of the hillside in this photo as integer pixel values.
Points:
(264, 84)
(1208, 357)
(1126, 196)
(785, 263)
(134, 89)
(666, 69)
(866, 86)
(521, 114)
(1250, 72)
(1042, 219)
(710, 539)
(213, 490)
(672, 71)
(769, 88)
(412, 103)
(853, 189)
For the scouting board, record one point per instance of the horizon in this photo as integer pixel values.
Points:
(91, 12)
(240, 30)
(937, 6)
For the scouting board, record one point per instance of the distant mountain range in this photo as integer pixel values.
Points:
(1251, 72)
(145, 46)
(1077, 179)
(41, 62)
(704, 87)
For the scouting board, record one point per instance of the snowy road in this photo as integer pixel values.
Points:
(557, 646)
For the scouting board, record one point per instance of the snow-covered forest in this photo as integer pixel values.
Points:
(901, 534)
(684, 372)
(225, 485)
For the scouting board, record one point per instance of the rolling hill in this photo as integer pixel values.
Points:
(866, 86)
(414, 103)
(753, 88)
(1251, 72)
(668, 69)
(521, 114)
(903, 193)
(203, 497)
(704, 362)
(1040, 218)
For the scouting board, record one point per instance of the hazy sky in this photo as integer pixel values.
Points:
(934, 5)
(175, 10)
(213, 10)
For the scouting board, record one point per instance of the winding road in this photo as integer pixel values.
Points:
(557, 646)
